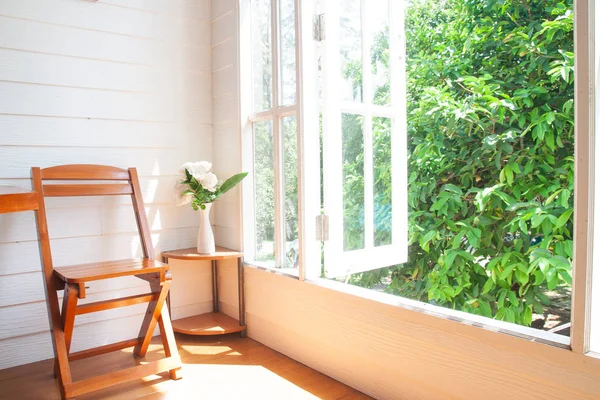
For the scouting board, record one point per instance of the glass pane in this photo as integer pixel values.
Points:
(380, 50)
(287, 45)
(382, 181)
(350, 50)
(353, 179)
(290, 182)
(262, 79)
(264, 199)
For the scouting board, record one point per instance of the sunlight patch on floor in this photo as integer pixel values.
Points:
(206, 350)
(213, 381)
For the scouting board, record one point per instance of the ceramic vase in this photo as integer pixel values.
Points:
(206, 239)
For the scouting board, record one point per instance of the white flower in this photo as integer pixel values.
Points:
(182, 199)
(209, 181)
(197, 169)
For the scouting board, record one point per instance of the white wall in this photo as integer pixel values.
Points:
(226, 136)
(118, 82)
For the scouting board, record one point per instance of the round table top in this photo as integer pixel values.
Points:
(221, 253)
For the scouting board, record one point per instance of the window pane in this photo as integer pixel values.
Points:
(290, 181)
(382, 181)
(262, 80)
(353, 179)
(380, 50)
(263, 192)
(350, 50)
(287, 46)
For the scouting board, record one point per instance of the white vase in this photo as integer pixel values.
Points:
(206, 239)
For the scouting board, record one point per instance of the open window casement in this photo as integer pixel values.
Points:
(364, 135)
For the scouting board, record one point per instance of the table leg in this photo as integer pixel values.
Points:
(242, 302)
(215, 288)
(165, 260)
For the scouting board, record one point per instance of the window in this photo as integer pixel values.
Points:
(367, 225)
(272, 235)
(479, 128)
(364, 136)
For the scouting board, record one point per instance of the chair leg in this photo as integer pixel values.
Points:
(69, 308)
(61, 354)
(168, 340)
(152, 315)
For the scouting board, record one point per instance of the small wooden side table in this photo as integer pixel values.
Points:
(215, 322)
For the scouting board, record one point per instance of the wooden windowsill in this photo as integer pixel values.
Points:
(527, 333)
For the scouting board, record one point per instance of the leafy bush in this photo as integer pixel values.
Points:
(491, 144)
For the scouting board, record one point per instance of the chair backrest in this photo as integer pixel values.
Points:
(17, 200)
(127, 184)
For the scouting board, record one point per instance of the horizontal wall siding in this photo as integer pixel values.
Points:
(225, 117)
(117, 82)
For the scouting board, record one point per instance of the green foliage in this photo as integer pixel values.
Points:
(491, 166)
(201, 196)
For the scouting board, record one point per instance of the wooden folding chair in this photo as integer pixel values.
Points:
(74, 278)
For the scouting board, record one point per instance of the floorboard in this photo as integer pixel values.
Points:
(224, 367)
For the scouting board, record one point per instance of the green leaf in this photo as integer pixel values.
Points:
(566, 275)
(231, 183)
(521, 277)
(507, 271)
(489, 284)
(512, 297)
(528, 316)
(425, 239)
(485, 309)
(537, 220)
(564, 218)
(560, 262)
(523, 226)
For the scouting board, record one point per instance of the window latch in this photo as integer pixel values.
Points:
(322, 228)
(319, 27)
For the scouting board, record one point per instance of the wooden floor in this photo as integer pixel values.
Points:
(227, 367)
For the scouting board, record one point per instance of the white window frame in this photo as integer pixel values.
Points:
(337, 261)
(308, 201)
(586, 88)
(585, 132)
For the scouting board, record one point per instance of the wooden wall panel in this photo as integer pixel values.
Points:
(33, 99)
(119, 82)
(226, 134)
(74, 42)
(221, 7)
(393, 353)
(103, 17)
(84, 132)
(16, 162)
(18, 227)
(23, 257)
(181, 9)
(57, 70)
(224, 54)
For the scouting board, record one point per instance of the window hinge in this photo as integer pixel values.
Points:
(319, 27)
(322, 228)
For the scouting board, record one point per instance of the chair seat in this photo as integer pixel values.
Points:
(110, 269)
